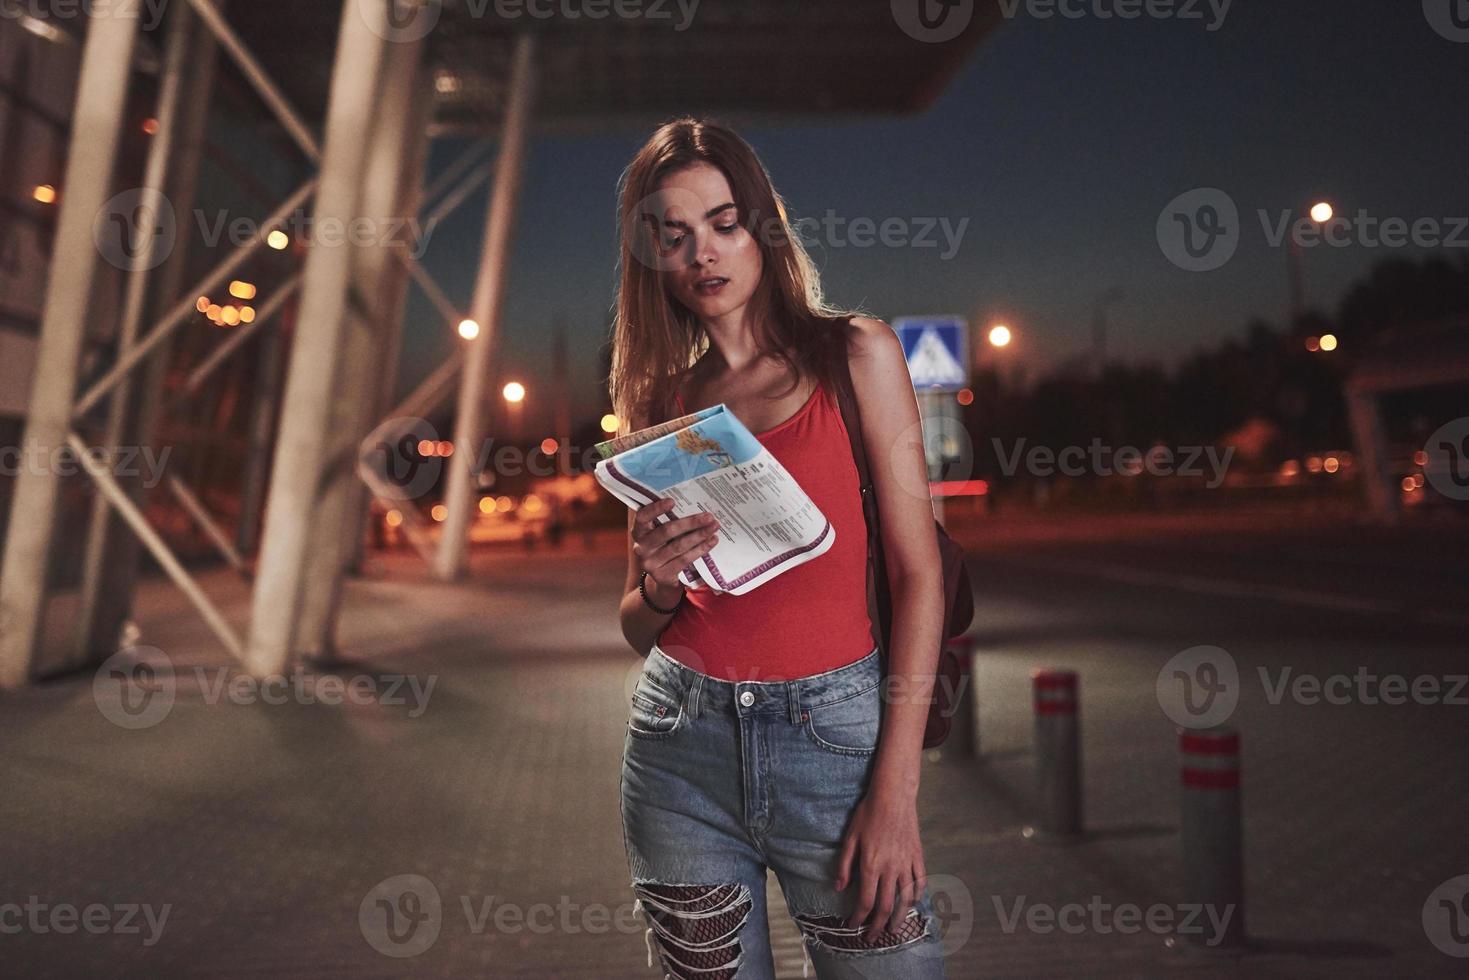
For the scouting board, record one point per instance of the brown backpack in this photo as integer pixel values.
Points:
(958, 593)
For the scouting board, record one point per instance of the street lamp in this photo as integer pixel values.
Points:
(1000, 335)
(514, 393)
(1321, 212)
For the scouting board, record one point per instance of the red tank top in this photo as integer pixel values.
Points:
(811, 618)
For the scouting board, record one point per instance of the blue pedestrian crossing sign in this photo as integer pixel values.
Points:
(937, 349)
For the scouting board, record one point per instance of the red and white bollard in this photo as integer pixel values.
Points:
(1213, 866)
(1057, 756)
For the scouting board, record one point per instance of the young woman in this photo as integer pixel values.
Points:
(759, 737)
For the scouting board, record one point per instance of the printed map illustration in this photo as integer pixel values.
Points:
(695, 444)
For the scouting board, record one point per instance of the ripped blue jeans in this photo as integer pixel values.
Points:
(722, 780)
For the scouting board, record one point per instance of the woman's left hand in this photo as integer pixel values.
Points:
(883, 840)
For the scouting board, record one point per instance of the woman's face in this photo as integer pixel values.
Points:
(710, 263)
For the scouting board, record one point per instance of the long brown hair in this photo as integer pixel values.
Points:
(655, 339)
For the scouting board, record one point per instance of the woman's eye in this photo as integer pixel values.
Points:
(726, 229)
(671, 241)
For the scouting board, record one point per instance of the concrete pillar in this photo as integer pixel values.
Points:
(337, 526)
(110, 564)
(297, 466)
(102, 88)
(271, 359)
(395, 288)
(1371, 446)
(489, 294)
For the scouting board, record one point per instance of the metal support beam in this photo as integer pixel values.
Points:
(485, 309)
(240, 335)
(396, 284)
(306, 411)
(96, 123)
(108, 487)
(1365, 417)
(195, 507)
(184, 307)
(100, 619)
(336, 526)
(268, 91)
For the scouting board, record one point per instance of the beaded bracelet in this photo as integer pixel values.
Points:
(643, 591)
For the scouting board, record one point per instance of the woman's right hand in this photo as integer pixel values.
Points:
(662, 550)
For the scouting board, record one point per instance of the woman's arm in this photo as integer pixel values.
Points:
(884, 836)
(641, 625)
(662, 549)
(893, 437)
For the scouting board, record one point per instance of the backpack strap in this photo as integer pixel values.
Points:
(877, 583)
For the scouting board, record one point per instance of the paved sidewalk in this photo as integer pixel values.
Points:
(276, 834)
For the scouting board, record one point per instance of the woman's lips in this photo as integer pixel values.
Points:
(711, 286)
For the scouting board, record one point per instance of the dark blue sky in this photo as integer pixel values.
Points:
(1060, 142)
